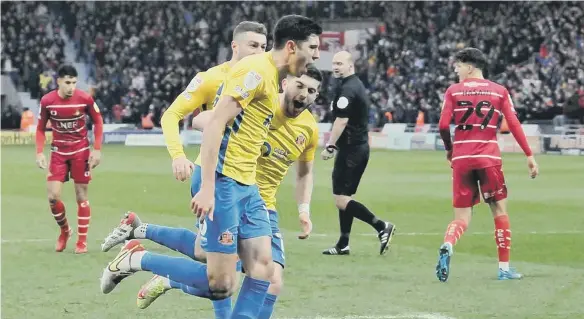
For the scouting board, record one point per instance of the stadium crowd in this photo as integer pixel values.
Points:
(139, 56)
(32, 46)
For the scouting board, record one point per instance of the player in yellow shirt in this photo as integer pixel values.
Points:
(231, 145)
(248, 38)
(295, 140)
(202, 92)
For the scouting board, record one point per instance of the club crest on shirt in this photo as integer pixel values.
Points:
(226, 238)
(300, 140)
(77, 112)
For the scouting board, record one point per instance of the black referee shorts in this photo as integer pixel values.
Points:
(350, 164)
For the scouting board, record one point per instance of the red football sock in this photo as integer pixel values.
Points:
(58, 211)
(83, 216)
(503, 237)
(454, 231)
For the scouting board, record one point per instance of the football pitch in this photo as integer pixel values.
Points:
(411, 189)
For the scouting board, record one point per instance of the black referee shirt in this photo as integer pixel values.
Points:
(351, 101)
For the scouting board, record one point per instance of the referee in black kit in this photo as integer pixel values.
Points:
(349, 140)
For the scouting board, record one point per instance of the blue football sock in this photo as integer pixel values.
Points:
(251, 298)
(176, 285)
(222, 307)
(188, 289)
(186, 271)
(179, 239)
(268, 307)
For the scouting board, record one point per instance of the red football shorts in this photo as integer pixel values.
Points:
(466, 183)
(73, 165)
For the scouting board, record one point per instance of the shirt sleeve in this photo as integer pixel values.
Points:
(244, 83)
(96, 118)
(193, 97)
(514, 125)
(445, 119)
(310, 150)
(343, 104)
(41, 126)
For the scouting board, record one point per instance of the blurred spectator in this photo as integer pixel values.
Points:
(10, 117)
(139, 56)
(31, 41)
(27, 119)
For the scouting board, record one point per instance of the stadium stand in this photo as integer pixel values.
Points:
(139, 56)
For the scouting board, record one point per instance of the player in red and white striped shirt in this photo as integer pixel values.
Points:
(67, 109)
(477, 105)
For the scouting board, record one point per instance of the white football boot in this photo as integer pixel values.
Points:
(121, 266)
(124, 231)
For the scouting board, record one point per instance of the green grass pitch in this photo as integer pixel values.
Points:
(411, 189)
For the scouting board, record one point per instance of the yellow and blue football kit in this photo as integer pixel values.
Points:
(240, 211)
(289, 140)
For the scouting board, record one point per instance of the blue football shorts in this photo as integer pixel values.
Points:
(277, 239)
(239, 212)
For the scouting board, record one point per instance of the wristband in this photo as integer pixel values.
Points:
(304, 208)
(331, 147)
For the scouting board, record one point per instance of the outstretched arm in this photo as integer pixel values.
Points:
(202, 120)
(304, 183)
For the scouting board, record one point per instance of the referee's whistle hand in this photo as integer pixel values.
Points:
(326, 155)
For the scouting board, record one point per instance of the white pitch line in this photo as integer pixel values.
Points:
(397, 233)
(552, 232)
(398, 316)
(25, 240)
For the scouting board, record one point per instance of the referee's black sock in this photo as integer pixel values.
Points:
(346, 221)
(361, 212)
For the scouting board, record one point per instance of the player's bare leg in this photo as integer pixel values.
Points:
(256, 257)
(503, 239)
(349, 208)
(221, 274)
(277, 280)
(58, 210)
(275, 289)
(83, 217)
(454, 231)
